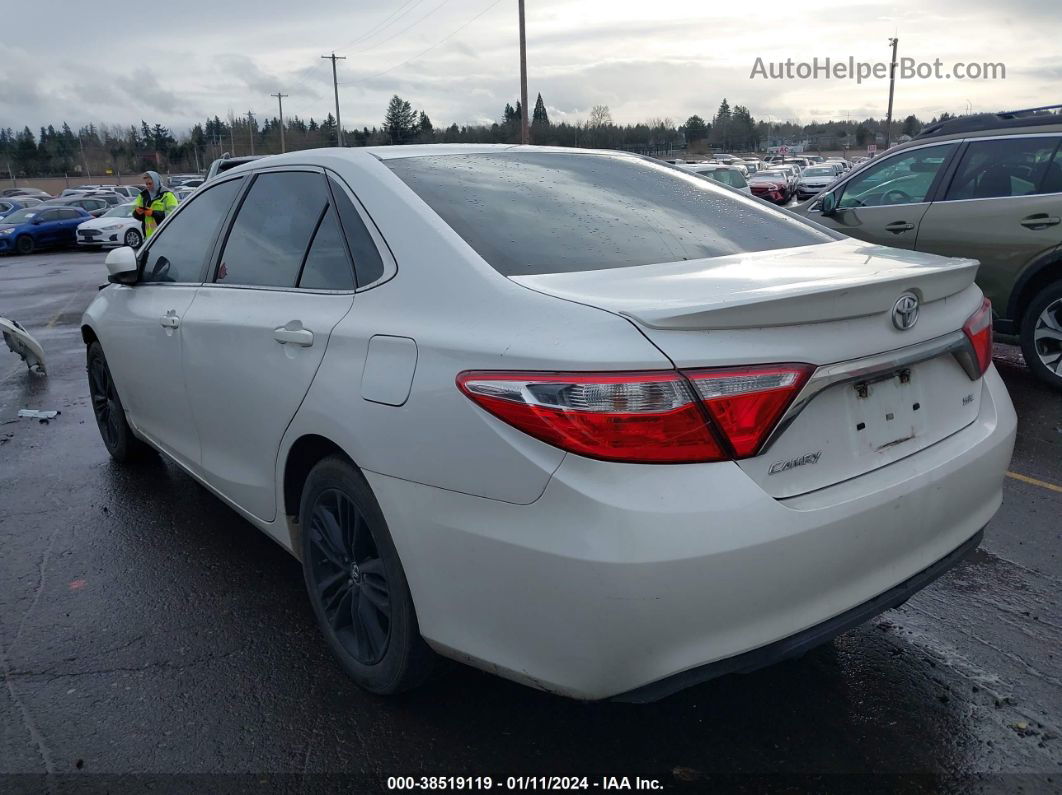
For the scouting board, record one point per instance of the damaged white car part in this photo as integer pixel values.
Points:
(21, 342)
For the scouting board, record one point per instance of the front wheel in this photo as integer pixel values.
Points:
(117, 436)
(1041, 335)
(133, 238)
(356, 582)
(24, 244)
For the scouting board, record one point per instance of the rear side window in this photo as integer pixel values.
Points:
(367, 260)
(538, 212)
(67, 215)
(179, 251)
(327, 266)
(269, 238)
(1003, 167)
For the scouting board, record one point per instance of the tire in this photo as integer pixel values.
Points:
(356, 583)
(24, 244)
(115, 432)
(133, 238)
(1041, 335)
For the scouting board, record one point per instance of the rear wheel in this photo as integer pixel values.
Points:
(24, 244)
(1041, 335)
(356, 582)
(117, 436)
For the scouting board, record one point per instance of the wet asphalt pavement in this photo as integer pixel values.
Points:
(146, 630)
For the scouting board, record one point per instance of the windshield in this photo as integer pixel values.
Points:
(20, 217)
(121, 211)
(771, 175)
(819, 171)
(529, 213)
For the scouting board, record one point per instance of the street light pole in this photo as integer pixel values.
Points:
(335, 84)
(280, 105)
(892, 87)
(525, 132)
(250, 129)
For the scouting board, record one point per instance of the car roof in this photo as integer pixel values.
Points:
(384, 153)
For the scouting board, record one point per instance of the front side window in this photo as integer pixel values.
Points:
(269, 238)
(179, 250)
(901, 179)
(539, 212)
(69, 215)
(1003, 167)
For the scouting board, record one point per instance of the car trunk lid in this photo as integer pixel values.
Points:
(825, 305)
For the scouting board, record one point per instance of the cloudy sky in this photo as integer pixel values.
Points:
(175, 63)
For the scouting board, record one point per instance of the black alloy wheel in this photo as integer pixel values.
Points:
(350, 578)
(117, 436)
(356, 582)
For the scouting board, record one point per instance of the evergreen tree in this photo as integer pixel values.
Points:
(695, 129)
(400, 121)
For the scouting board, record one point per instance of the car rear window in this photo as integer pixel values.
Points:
(544, 212)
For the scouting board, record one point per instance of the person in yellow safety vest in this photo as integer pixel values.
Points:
(154, 203)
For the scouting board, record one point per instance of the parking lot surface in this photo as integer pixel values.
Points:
(146, 630)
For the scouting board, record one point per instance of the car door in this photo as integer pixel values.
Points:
(1003, 206)
(143, 337)
(69, 220)
(257, 330)
(48, 231)
(885, 202)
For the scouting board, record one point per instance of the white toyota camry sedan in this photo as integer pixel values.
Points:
(574, 417)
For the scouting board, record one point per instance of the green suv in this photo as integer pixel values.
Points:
(987, 187)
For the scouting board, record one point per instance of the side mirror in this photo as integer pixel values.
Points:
(122, 266)
(829, 204)
(37, 220)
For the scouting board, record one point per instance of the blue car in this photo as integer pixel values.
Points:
(31, 228)
(11, 204)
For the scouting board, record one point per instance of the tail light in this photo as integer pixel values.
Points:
(746, 403)
(978, 329)
(651, 417)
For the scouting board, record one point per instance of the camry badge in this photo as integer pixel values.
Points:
(785, 466)
(905, 311)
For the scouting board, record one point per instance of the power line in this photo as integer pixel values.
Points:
(440, 42)
(401, 11)
(403, 30)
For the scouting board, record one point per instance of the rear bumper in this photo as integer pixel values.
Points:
(808, 639)
(620, 575)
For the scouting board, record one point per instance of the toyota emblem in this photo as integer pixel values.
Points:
(905, 311)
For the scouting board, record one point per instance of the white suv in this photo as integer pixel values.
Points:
(577, 418)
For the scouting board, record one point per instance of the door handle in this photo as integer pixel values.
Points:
(899, 226)
(293, 336)
(1040, 221)
(170, 320)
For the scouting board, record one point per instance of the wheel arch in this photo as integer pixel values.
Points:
(302, 456)
(88, 334)
(1044, 271)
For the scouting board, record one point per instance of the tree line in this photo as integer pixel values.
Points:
(99, 149)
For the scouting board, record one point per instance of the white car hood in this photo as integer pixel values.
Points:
(100, 223)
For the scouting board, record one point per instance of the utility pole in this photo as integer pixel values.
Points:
(280, 105)
(525, 133)
(892, 87)
(250, 129)
(81, 146)
(335, 84)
